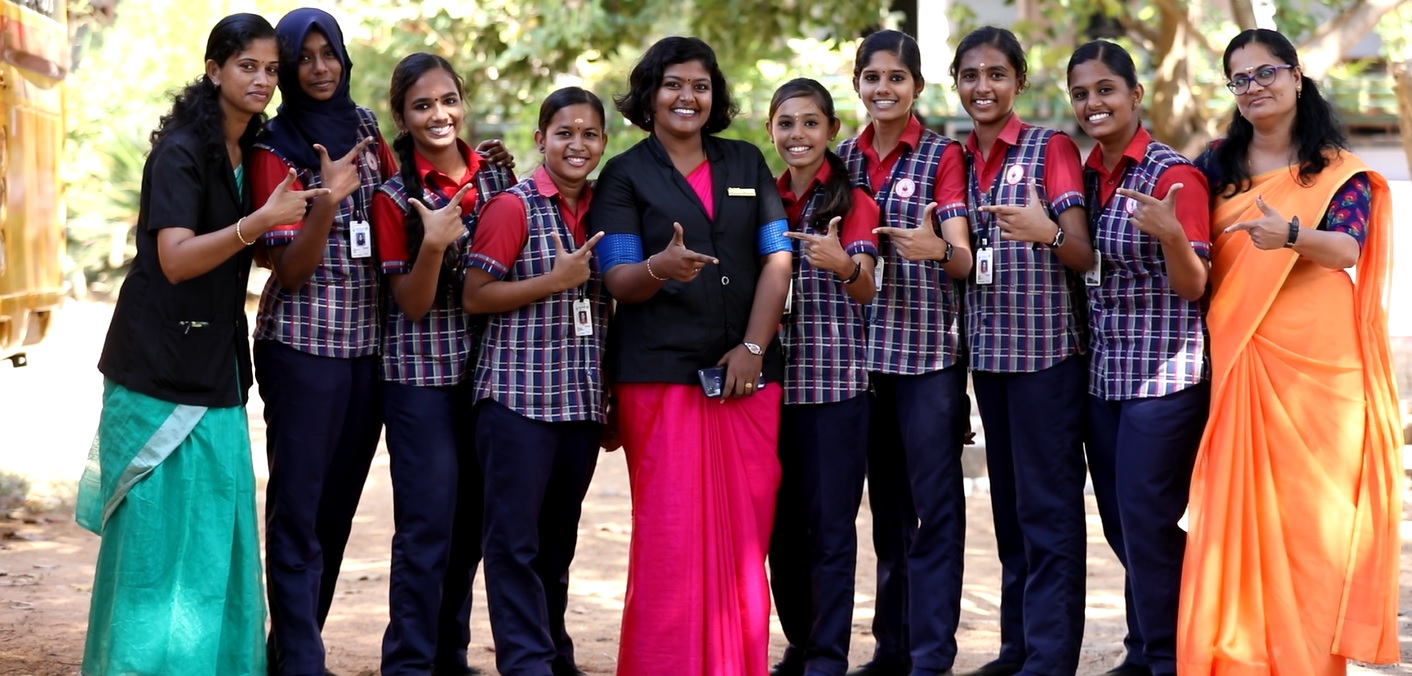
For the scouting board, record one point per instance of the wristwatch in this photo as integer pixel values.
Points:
(1293, 232)
(753, 348)
(1058, 238)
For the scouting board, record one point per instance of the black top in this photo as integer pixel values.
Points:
(185, 343)
(687, 326)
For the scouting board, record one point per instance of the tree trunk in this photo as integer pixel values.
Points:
(1243, 13)
(1173, 111)
(1402, 74)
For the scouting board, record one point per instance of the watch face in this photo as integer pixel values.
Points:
(754, 349)
(1058, 239)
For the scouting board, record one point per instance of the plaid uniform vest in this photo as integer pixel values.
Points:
(436, 350)
(1146, 340)
(914, 322)
(530, 358)
(1029, 318)
(825, 335)
(337, 312)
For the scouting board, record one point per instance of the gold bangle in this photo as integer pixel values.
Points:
(650, 272)
(240, 236)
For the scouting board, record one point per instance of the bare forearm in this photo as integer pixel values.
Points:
(295, 263)
(184, 255)
(768, 306)
(1332, 250)
(1077, 251)
(1186, 271)
(416, 291)
(498, 296)
(631, 283)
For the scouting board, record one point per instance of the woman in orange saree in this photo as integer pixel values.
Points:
(1292, 558)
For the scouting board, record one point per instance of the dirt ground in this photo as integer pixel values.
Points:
(47, 414)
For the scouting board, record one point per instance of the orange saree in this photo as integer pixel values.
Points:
(1292, 558)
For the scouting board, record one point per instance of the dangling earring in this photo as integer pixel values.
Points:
(1299, 93)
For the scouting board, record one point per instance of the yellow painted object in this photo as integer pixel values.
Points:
(34, 59)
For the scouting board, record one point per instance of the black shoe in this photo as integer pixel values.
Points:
(788, 667)
(1128, 669)
(882, 669)
(998, 668)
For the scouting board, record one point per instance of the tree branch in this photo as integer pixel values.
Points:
(1330, 42)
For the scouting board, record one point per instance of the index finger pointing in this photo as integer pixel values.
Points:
(1140, 197)
(592, 242)
(1243, 225)
(460, 195)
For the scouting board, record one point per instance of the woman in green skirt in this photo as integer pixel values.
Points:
(169, 485)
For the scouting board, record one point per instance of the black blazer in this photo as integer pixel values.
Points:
(185, 343)
(687, 326)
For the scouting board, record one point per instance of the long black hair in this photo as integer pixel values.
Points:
(197, 105)
(1316, 126)
(646, 78)
(838, 192)
(404, 76)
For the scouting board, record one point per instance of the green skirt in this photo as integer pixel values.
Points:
(177, 587)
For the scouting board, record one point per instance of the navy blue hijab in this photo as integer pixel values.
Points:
(302, 121)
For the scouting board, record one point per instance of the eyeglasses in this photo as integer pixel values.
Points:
(1264, 76)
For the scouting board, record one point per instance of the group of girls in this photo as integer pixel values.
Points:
(775, 340)
(1050, 279)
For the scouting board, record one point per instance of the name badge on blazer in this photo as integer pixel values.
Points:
(740, 192)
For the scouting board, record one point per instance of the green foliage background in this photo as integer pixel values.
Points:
(512, 53)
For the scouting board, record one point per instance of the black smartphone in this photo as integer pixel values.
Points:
(713, 380)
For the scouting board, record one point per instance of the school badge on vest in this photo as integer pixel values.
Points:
(905, 188)
(1015, 174)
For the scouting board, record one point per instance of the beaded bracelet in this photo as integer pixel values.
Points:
(240, 236)
(650, 272)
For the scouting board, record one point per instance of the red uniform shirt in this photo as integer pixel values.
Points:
(1062, 171)
(856, 230)
(1193, 210)
(389, 223)
(503, 229)
(949, 179)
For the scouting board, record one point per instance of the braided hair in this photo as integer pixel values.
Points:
(408, 71)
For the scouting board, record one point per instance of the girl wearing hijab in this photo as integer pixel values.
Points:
(317, 331)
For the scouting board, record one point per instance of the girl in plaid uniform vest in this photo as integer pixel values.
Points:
(316, 332)
(914, 360)
(1025, 339)
(422, 218)
(1149, 215)
(824, 424)
(539, 386)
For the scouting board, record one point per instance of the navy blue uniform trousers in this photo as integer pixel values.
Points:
(814, 545)
(536, 476)
(322, 422)
(1034, 456)
(436, 496)
(919, 515)
(1140, 456)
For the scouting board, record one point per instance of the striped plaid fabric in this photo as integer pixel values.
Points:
(1029, 318)
(436, 350)
(914, 322)
(825, 335)
(530, 358)
(336, 313)
(1145, 340)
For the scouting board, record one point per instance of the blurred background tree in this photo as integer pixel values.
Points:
(514, 52)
